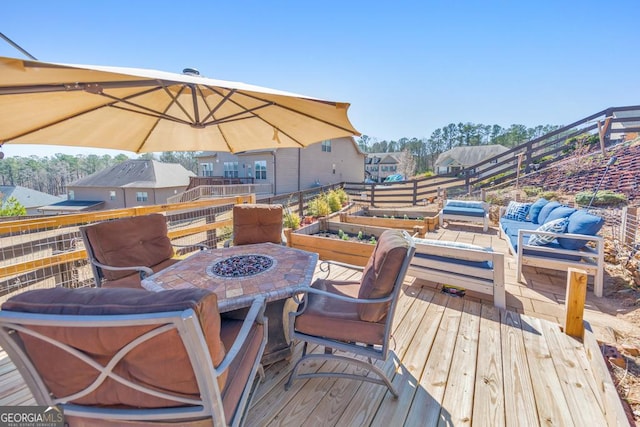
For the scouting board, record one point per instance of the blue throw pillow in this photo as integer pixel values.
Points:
(556, 226)
(534, 211)
(517, 211)
(546, 210)
(581, 222)
(560, 212)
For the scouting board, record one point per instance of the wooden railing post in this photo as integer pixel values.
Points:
(575, 297)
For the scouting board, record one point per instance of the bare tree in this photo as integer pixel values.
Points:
(407, 164)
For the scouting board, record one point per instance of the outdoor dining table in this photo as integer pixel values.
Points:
(238, 274)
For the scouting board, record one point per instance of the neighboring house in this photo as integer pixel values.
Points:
(378, 166)
(30, 199)
(131, 183)
(459, 158)
(287, 170)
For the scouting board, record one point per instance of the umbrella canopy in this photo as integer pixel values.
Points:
(143, 110)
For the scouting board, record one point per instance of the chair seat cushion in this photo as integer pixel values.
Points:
(133, 280)
(338, 320)
(257, 223)
(137, 241)
(240, 370)
(146, 364)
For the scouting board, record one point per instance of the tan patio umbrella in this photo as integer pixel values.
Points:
(143, 110)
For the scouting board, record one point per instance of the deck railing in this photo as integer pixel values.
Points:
(48, 251)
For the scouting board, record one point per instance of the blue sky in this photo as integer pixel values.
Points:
(406, 67)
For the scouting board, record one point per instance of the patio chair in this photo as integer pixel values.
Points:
(134, 357)
(124, 251)
(256, 223)
(354, 317)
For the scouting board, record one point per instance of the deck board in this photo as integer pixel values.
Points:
(454, 362)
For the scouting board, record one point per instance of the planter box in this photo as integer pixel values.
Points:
(420, 226)
(356, 253)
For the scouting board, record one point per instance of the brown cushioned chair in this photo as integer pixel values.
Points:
(116, 356)
(123, 251)
(256, 223)
(355, 317)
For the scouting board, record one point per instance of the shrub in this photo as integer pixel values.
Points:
(603, 198)
(549, 195)
(532, 191)
(291, 220)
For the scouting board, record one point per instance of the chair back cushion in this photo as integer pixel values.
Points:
(381, 272)
(134, 241)
(257, 223)
(160, 363)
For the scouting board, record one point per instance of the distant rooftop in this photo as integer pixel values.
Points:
(138, 173)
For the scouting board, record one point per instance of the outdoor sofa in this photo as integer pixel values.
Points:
(551, 235)
(461, 265)
(465, 210)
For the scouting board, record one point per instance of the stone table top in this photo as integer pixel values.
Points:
(286, 272)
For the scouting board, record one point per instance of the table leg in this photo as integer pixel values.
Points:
(278, 347)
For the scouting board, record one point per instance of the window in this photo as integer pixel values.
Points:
(112, 195)
(72, 195)
(142, 196)
(261, 169)
(207, 169)
(326, 146)
(230, 169)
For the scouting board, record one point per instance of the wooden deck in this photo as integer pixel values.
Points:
(454, 362)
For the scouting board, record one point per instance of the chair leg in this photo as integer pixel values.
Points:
(382, 378)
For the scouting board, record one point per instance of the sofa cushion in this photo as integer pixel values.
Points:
(380, 273)
(581, 222)
(559, 212)
(534, 211)
(509, 225)
(134, 241)
(517, 211)
(556, 226)
(146, 364)
(471, 204)
(464, 211)
(546, 210)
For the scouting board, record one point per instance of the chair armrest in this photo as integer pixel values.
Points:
(144, 271)
(348, 299)
(255, 315)
(325, 266)
(201, 246)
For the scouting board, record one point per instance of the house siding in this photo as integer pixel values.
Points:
(295, 169)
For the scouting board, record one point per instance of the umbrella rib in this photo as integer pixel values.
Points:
(212, 111)
(301, 113)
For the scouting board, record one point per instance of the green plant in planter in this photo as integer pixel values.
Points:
(406, 216)
(291, 220)
(345, 237)
(340, 233)
(319, 206)
(372, 240)
(334, 201)
(360, 235)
